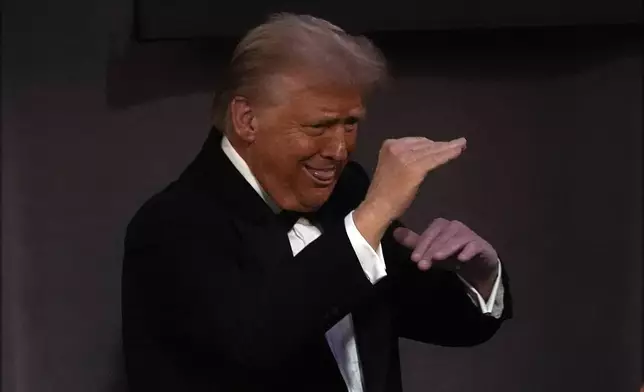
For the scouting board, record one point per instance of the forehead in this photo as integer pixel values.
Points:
(303, 96)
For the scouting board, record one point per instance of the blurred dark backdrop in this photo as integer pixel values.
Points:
(94, 122)
(174, 19)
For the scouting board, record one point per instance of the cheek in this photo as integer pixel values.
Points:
(351, 140)
(289, 153)
(303, 148)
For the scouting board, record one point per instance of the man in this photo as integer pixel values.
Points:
(273, 263)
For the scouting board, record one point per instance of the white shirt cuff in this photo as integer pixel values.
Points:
(494, 305)
(372, 261)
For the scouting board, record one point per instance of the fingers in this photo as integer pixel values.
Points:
(448, 249)
(449, 234)
(440, 147)
(415, 140)
(423, 146)
(451, 247)
(422, 143)
(445, 239)
(426, 153)
(430, 155)
(469, 251)
(442, 240)
(436, 158)
(424, 265)
(409, 144)
(426, 239)
(406, 237)
(459, 143)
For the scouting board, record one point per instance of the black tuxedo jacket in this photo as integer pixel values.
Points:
(214, 300)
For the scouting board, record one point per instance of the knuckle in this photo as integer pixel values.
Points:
(386, 145)
(389, 142)
(390, 145)
(431, 231)
(439, 224)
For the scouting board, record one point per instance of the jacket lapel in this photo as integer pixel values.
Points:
(263, 238)
(265, 243)
(213, 172)
(373, 331)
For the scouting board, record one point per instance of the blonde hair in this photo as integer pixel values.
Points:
(289, 42)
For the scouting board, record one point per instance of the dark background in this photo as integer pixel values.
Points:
(158, 19)
(93, 123)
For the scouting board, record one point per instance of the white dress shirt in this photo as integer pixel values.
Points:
(341, 337)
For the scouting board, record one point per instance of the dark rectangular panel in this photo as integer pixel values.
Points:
(174, 19)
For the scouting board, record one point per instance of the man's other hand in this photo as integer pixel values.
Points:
(454, 246)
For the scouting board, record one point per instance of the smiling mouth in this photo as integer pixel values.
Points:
(321, 176)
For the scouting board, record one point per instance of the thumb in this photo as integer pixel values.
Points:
(406, 237)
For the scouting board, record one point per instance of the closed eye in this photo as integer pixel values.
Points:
(324, 124)
(319, 125)
(351, 120)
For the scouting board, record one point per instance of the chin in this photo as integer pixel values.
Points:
(315, 198)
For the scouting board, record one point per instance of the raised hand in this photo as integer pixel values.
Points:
(402, 167)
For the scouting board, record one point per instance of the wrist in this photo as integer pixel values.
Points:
(371, 223)
(482, 278)
(374, 215)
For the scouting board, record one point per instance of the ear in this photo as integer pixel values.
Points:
(243, 119)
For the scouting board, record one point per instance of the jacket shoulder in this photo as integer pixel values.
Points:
(176, 209)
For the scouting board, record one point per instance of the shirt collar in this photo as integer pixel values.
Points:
(245, 171)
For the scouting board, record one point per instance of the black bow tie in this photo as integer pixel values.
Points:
(289, 218)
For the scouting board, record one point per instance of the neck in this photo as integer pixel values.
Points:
(241, 152)
(240, 145)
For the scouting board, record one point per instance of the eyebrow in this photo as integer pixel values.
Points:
(333, 120)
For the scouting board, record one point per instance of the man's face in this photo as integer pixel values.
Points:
(303, 142)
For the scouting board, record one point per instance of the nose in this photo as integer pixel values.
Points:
(336, 145)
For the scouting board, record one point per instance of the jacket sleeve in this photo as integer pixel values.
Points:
(182, 281)
(433, 306)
